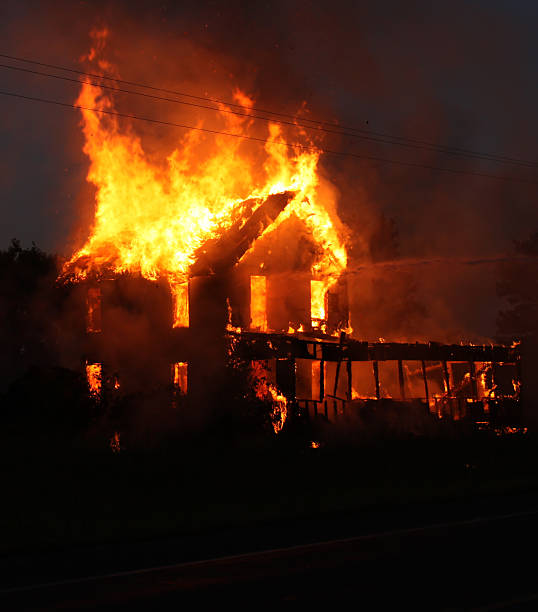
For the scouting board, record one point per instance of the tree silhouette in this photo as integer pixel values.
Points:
(27, 278)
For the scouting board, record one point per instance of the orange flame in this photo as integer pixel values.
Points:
(180, 294)
(151, 217)
(180, 373)
(318, 291)
(94, 378)
(258, 303)
(267, 391)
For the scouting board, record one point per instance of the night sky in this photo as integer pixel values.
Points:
(458, 73)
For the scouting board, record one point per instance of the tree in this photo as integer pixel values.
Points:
(27, 278)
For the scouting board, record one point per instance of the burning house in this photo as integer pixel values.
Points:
(221, 252)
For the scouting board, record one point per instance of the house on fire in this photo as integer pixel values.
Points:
(206, 245)
(140, 332)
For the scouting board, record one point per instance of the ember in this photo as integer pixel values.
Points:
(115, 445)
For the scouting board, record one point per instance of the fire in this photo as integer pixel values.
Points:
(151, 216)
(279, 414)
(267, 391)
(516, 384)
(94, 378)
(258, 303)
(180, 374)
(318, 291)
(180, 294)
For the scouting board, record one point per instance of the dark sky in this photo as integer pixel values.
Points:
(460, 73)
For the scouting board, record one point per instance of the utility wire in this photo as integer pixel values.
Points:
(318, 125)
(269, 120)
(264, 141)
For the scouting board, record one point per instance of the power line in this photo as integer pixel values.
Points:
(295, 122)
(280, 121)
(264, 141)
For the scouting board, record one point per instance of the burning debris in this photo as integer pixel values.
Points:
(267, 391)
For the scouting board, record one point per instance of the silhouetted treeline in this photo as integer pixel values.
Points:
(43, 389)
(37, 394)
(28, 309)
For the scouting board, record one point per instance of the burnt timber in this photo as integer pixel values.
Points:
(263, 346)
(223, 253)
(215, 297)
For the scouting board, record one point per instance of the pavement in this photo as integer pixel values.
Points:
(475, 554)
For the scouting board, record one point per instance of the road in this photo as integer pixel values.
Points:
(480, 561)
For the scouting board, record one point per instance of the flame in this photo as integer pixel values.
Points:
(94, 378)
(258, 303)
(180, 373)
(507, 430)
(180, 294)
(318, 291)
(229, 325)
(279, 413)
(482, 383)
(267, 391)
(516, 384)
(151, 216)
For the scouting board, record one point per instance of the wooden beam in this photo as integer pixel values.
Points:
(376, 377)
(425, 377)
(401, 379)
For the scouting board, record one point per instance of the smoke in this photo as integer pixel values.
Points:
(456, 74)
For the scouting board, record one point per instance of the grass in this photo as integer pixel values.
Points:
(58, 495)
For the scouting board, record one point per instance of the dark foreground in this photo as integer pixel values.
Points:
(433, 524)
(475, 561)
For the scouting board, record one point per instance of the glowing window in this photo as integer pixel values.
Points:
(258, 303)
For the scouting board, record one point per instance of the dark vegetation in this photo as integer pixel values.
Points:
(66, 482)
(58, 493)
